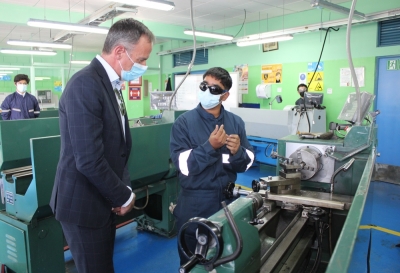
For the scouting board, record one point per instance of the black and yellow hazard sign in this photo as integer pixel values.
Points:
(318, 77)
(317, 83)
(316, 86)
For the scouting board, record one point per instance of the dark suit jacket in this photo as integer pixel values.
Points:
(92, 175)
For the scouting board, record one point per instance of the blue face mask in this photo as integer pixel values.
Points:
(136, 71)
(208, 100)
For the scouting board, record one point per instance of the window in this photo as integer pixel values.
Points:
(184, 58)
(389, 32)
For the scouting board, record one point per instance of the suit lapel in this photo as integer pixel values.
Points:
(109, 91)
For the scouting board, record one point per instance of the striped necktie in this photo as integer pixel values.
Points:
(121, 105)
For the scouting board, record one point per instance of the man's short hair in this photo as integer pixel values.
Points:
(126, 32)
(302, 85)
(220, 74)
(21, 77)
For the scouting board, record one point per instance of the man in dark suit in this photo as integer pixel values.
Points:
(92, 180)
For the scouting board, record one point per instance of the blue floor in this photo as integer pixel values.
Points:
(376, 247)
(142, 251)
(139, 251)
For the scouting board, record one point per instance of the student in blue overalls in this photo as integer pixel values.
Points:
(208, 147)
(20, 104)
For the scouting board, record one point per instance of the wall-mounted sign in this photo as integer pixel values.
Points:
(393, 65)
(137, 82)
(135, 93)
(58, 86)
(5, 78)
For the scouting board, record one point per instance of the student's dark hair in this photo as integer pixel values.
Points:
(302, 85)
(126, 32)
(21, 77)
(220, 74)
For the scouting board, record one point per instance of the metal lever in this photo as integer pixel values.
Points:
(189, 265)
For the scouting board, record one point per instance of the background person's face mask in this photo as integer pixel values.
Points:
(301, 92)
(136, 71)
(208, 100)
(22, 87)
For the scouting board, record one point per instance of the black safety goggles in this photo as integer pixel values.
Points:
(214, 89)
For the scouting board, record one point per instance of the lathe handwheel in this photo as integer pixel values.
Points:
(213, 229)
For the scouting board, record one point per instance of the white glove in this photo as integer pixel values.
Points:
(172, 207)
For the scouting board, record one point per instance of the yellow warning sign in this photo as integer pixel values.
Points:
(318, 77)
(317, 83)
(316, 86)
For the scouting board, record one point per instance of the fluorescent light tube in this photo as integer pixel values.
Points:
(38, 44)
(67, 26)
(8, 68)
(208, 34)
(151, 4)
(28, 52)
(6, 72)
(80, 62)
(265, 40)
(335, 7)
(42, 78)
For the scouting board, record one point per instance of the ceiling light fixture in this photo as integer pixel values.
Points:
(28, 52)
(6, 72)
(264, 40)
(80, 62)
(208, 34)
(335, 7)
(42, 78)
(8, 68)
(38, 44)
(152, 4)
(67, 26)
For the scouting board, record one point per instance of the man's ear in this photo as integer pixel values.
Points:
(118, 51)
(225, 96)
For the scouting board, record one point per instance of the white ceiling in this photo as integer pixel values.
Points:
(208, 14)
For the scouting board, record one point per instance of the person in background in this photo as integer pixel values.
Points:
(20, 104)
(208, 147)
(92, 180)
(301, 89)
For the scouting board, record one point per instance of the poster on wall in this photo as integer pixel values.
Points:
(5, 78)
(243, 70)
(303, 78)
(315, 76)
(346, 79)
(312, 66)
(271, 73)
(58, 86)
(137, 82)
(135, 93)
(316, 81)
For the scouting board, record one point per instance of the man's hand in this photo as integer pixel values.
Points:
(218, 137)
(233, 143)
(121, 211)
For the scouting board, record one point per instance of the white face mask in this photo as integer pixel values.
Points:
(22, 87)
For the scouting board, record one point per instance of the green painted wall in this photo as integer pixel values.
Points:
(294, 56)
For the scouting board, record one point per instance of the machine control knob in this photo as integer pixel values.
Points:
(229, 190)
(316, 213)
(255, 185)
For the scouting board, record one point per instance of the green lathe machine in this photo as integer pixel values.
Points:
(299, 220)
(31, 240)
